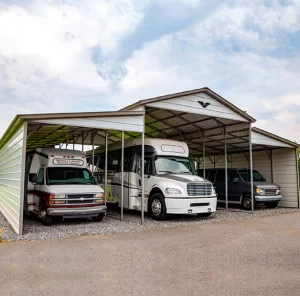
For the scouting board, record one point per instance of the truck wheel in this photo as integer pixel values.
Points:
(98, 218)
(157, 207)
(271, 205)
(47, 220)
(247, 203)
(204, 215)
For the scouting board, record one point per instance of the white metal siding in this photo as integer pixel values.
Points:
(264, 140)
(11, 184)
(285, 174)
(190, 104)
(284, 170)
(121, 123)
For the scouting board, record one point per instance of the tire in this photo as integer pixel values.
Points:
(247, 203)
(98, 218)
(271, 205)
(47, 220)
(157, 207)
(204, 215)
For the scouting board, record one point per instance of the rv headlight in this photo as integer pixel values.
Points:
(100, 197)
(260, 191)
(173, 191)
(277, 191)
(59, 196)
(56, 199)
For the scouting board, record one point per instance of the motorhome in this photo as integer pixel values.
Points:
(171, 183)
(58, 183)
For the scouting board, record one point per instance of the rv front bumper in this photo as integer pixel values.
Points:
(69, 212)
(191, 205)
(266, 198)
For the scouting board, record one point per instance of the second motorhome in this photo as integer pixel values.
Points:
(60, 184)
(171, 183)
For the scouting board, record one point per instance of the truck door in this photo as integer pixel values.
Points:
(234, 187)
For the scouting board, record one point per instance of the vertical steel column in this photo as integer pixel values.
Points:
(122, 178)
(251, 167)
(143, 178)
(204, 155)
(93, 153)
(297, 174)
(272, 169)
(226, 170)
(106, 161)
(82, 143)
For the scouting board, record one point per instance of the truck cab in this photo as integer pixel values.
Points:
(239, 187)
(58, 183)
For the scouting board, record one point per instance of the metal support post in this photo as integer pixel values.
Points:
(204, 156)
(251, 167)
(122, 178)
(143, 178)
(93, 153)
(226, 170)
(106, 161)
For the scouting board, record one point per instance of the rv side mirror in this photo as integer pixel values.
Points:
(33, 178)
(236, 180)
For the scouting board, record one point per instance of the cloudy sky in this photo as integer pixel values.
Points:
(79, 55)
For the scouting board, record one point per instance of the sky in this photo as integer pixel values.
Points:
(79, 55)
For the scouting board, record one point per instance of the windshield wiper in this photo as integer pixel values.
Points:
(169, 172)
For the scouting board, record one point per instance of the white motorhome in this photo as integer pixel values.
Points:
(171, 183)
(60, 184)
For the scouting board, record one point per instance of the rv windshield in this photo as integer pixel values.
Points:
(69, 175)
(257, 177)
(174, 165)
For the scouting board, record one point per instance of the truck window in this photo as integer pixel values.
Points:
(41, 174)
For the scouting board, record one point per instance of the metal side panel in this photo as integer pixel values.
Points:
(286, 175)
(11, 173)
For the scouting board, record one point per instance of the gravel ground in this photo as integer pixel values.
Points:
(35, 230)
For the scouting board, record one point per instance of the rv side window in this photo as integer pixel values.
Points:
(41, 174)
(148, 166)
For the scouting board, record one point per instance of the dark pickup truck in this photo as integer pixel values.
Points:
(239, 187)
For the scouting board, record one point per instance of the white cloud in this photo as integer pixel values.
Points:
(203, 56)
(46, 50)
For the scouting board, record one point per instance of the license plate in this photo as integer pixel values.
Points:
(209, 210)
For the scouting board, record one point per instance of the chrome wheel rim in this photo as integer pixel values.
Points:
(247, 203)
(156, 207)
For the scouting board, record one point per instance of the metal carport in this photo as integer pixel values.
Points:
(28, 132)
(211, 126)
(222, 135)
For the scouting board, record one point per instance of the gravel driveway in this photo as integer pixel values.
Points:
(258, 257)
(35, 230)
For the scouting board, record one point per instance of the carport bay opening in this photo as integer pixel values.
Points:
(209, 124)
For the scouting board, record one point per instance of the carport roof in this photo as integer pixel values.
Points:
(47, 130)
(198, 91)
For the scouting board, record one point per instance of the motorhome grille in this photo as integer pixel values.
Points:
(80, 198)
(272, 191)
(199, 189)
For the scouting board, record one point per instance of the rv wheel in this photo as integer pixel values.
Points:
(98, 218)
(157, 207)
(47, 220)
